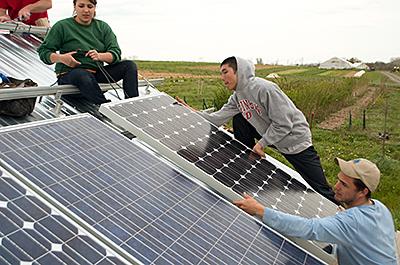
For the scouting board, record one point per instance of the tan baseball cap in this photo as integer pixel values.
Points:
(361, 169)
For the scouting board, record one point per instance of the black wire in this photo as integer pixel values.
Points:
(41, 97)
(54, 83)
(108, 77)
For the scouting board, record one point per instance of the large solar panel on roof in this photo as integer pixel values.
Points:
(140, 203)
(33, 233)
(216, 154)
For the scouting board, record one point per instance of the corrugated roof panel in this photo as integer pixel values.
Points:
(19, 59)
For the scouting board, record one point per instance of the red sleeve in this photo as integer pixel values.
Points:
(34, 17)
(4, 5)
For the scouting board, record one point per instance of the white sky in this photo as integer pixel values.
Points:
(282, 31)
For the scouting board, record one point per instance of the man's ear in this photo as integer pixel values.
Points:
(365, 191)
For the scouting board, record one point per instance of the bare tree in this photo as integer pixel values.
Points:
(354, 60)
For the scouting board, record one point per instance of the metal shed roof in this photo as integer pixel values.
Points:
(19, 59)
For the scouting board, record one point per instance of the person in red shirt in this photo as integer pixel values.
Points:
(31, 12)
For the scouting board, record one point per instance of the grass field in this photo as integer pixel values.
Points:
(322, 92)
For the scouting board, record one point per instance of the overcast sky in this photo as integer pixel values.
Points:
(279, 31)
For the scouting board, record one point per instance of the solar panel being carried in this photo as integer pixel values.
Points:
(180, 133)
(147, 210)
(31, 232)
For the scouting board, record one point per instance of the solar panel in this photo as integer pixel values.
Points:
(140, 203)
(165, 124)
(31, 232)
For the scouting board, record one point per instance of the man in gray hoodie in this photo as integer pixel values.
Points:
(261, 111)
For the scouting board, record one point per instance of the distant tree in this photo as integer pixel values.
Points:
(382, 66)
(354, 60)
(259, 61)
(395, 59)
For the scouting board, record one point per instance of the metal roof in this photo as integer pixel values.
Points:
(19, 59)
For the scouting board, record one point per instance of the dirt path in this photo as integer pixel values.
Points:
(337, 119)
(394, 77)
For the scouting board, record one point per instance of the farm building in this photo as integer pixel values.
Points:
(340, 63)
(361, 66)
(336, 63)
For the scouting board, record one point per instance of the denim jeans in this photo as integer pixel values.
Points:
(88, 83)
(244, 131)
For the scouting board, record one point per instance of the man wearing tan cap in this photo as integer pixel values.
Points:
(364, 233)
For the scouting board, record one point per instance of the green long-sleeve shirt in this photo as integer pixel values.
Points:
(67, 35)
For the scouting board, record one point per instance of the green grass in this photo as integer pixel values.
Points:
(375, 77)
(358, 142)
(263, 72)
(301, 71)
(179, 67)
(334, 73)
(323, 94)
(293, 71)
(194, 91)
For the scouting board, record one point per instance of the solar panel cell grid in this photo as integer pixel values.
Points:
(144, 206)
(31, 232)
(217, 154)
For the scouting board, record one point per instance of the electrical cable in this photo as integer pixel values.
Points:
(54, 83)
(108, 77)
(106, 74)
(147, 81)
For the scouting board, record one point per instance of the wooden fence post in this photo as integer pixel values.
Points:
(364, 121)
(350, 121)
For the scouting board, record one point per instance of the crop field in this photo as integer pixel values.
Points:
(319, 94)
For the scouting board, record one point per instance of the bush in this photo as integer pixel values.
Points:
(321, 96)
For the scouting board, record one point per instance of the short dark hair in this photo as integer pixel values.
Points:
(361, 186)
(231, 61)
(94, 2)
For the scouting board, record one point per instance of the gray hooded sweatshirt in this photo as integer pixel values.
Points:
(264, 105)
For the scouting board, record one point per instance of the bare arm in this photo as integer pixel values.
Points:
(100, 56)
(3, 15)
(65, 58)
(250, 205)
(39, 6)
